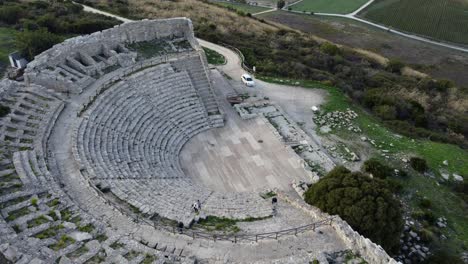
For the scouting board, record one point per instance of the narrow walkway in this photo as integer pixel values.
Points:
(266, 11)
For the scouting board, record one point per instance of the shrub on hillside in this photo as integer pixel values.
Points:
(377, 169)
(31, 43)
(367, 204)
(442, 257)
(10, 14)
(418, 164)
(329, 48)
(395, 66)
(386, 112)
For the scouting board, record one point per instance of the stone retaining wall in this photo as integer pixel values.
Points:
(368, 250)
(144, 30)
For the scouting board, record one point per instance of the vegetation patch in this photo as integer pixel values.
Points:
(80, 251)
(366, 204)
(116, 245)
(17, 214)
(241, 7)
(37, 221)
(149, 259)
(329, 6)
(131, 255)
(87, 228)
(7, 46)
(42, 24)
(214, 223)
(214, 57)
(226, 225)
(50, 232)
(63, 242)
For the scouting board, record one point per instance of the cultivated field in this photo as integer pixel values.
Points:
(440, 19)
(327, 6)
(241, 7)
(437, 61)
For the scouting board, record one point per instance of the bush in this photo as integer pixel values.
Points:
(31, 43)
(280, 4)
(443, 257)
(377, 169)
(10, 14)
(425, 203)
(386, 112)
(418, 164)
(368, 205)
(395, 66)
(329, 48)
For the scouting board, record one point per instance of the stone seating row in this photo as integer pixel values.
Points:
(40, 224)
(173, 199)
(198, 73)
(131, 124)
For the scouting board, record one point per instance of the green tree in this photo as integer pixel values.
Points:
(329, 48)
(31, 43)
(367, 204)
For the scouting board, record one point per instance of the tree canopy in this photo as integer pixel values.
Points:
(31, 43)
(367, 204)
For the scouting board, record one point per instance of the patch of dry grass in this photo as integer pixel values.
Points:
(198, 12)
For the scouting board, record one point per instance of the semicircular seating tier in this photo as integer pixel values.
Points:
(130, 139)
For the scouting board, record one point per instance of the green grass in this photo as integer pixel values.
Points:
(329, 6)
(214, 57)
(148, 259)
(241, 7)
(80, 251)
(213, 223)
(7, 46)
(17, 214)
(37, 221)
(440, 19)
(63, 242)
(444, 201)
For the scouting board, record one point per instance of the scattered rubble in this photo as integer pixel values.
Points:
(338, 120)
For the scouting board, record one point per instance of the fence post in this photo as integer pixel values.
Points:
(193, 235)
(235, 239)
(256, 238)
(313, 227)
(276, 236)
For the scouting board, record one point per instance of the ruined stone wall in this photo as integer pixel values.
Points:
(130, 32)
(75, 63)
(368, 250)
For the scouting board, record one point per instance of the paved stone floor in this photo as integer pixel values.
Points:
(244, 155)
